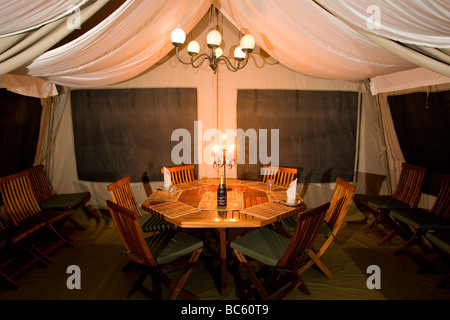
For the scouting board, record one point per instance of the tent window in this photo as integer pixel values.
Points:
(128, 132)
(20, 118)
(421, 124)
(317, 131)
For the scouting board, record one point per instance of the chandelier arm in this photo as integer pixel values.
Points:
(179, 59)
(204, 57)
(230, 66)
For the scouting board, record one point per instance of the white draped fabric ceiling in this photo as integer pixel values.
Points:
(331, 39)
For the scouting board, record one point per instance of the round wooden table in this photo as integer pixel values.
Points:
(250, 206)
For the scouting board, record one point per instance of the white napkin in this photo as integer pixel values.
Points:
(292, 192)
(167, 178)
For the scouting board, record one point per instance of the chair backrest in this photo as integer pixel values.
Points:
(130, 232)
(441, 206)
(306, 230)
(18, 197)
(409, 185)
(340, 201)
(281, 176)
(181, 174)
(40, 183)
(122, 194)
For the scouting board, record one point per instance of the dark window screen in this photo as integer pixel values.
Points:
(317, 130)
(127, 132)
(421, 122)
(20, 118)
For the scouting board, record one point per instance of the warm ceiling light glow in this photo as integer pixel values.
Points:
(213, 39)
(178, 37)
(193, 48)
(215, 54)
(247, 43)
(239, 54)
(218, 52)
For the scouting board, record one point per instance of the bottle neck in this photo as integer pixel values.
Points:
(222, 182)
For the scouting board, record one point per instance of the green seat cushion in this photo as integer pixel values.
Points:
(382, 202)
(152, 223)
(170, 245)
(440, 239)
(325, 229)
(288, 224)
(263, 245)
(421, 219)
(63, 201)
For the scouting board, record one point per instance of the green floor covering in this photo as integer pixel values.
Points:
(99, 254)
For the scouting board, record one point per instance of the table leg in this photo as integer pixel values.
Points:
(223, 260)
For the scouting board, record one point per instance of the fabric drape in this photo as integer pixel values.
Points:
(417, 31)
(302, 35)
(128, 42)
(36, 42)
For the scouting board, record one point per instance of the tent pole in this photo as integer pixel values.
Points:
(358, 132)
(384, 147)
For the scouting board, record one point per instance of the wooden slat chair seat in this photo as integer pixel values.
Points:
(420, 220)
(14, 239)
(181, 174)
(155, 252)
(22, 208)
(283, 254)
(122, 194)
(339, 203)
(406, 195)
(281, 176)
(49, 199)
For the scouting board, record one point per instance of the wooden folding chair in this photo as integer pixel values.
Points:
(284, 255)
(153, 253)
(48, 198)
(181, 174)
(22, 207)
(420, 220)
(406, 195)
(340, 201)
(281, 176)
(440, 241)
(122, 194)
(15, 240)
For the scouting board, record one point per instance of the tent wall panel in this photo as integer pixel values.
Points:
(128, 132)
(317, 131)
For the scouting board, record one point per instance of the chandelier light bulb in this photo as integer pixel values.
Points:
(178, 37)
(214, 39)
(215, 54)
(239, 54)
(193, 48)
(247, 43)
(218, 52)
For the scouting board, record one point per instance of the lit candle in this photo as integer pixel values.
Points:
(216, 153)
(224, 138)
(235, 149)
(231, 150)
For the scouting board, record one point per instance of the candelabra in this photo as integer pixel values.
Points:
(223, 160)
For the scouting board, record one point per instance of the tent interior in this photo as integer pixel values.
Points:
(94, 91)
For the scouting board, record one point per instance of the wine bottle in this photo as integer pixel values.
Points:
(222, 192)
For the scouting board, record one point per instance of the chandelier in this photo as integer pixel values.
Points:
(215, 53)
